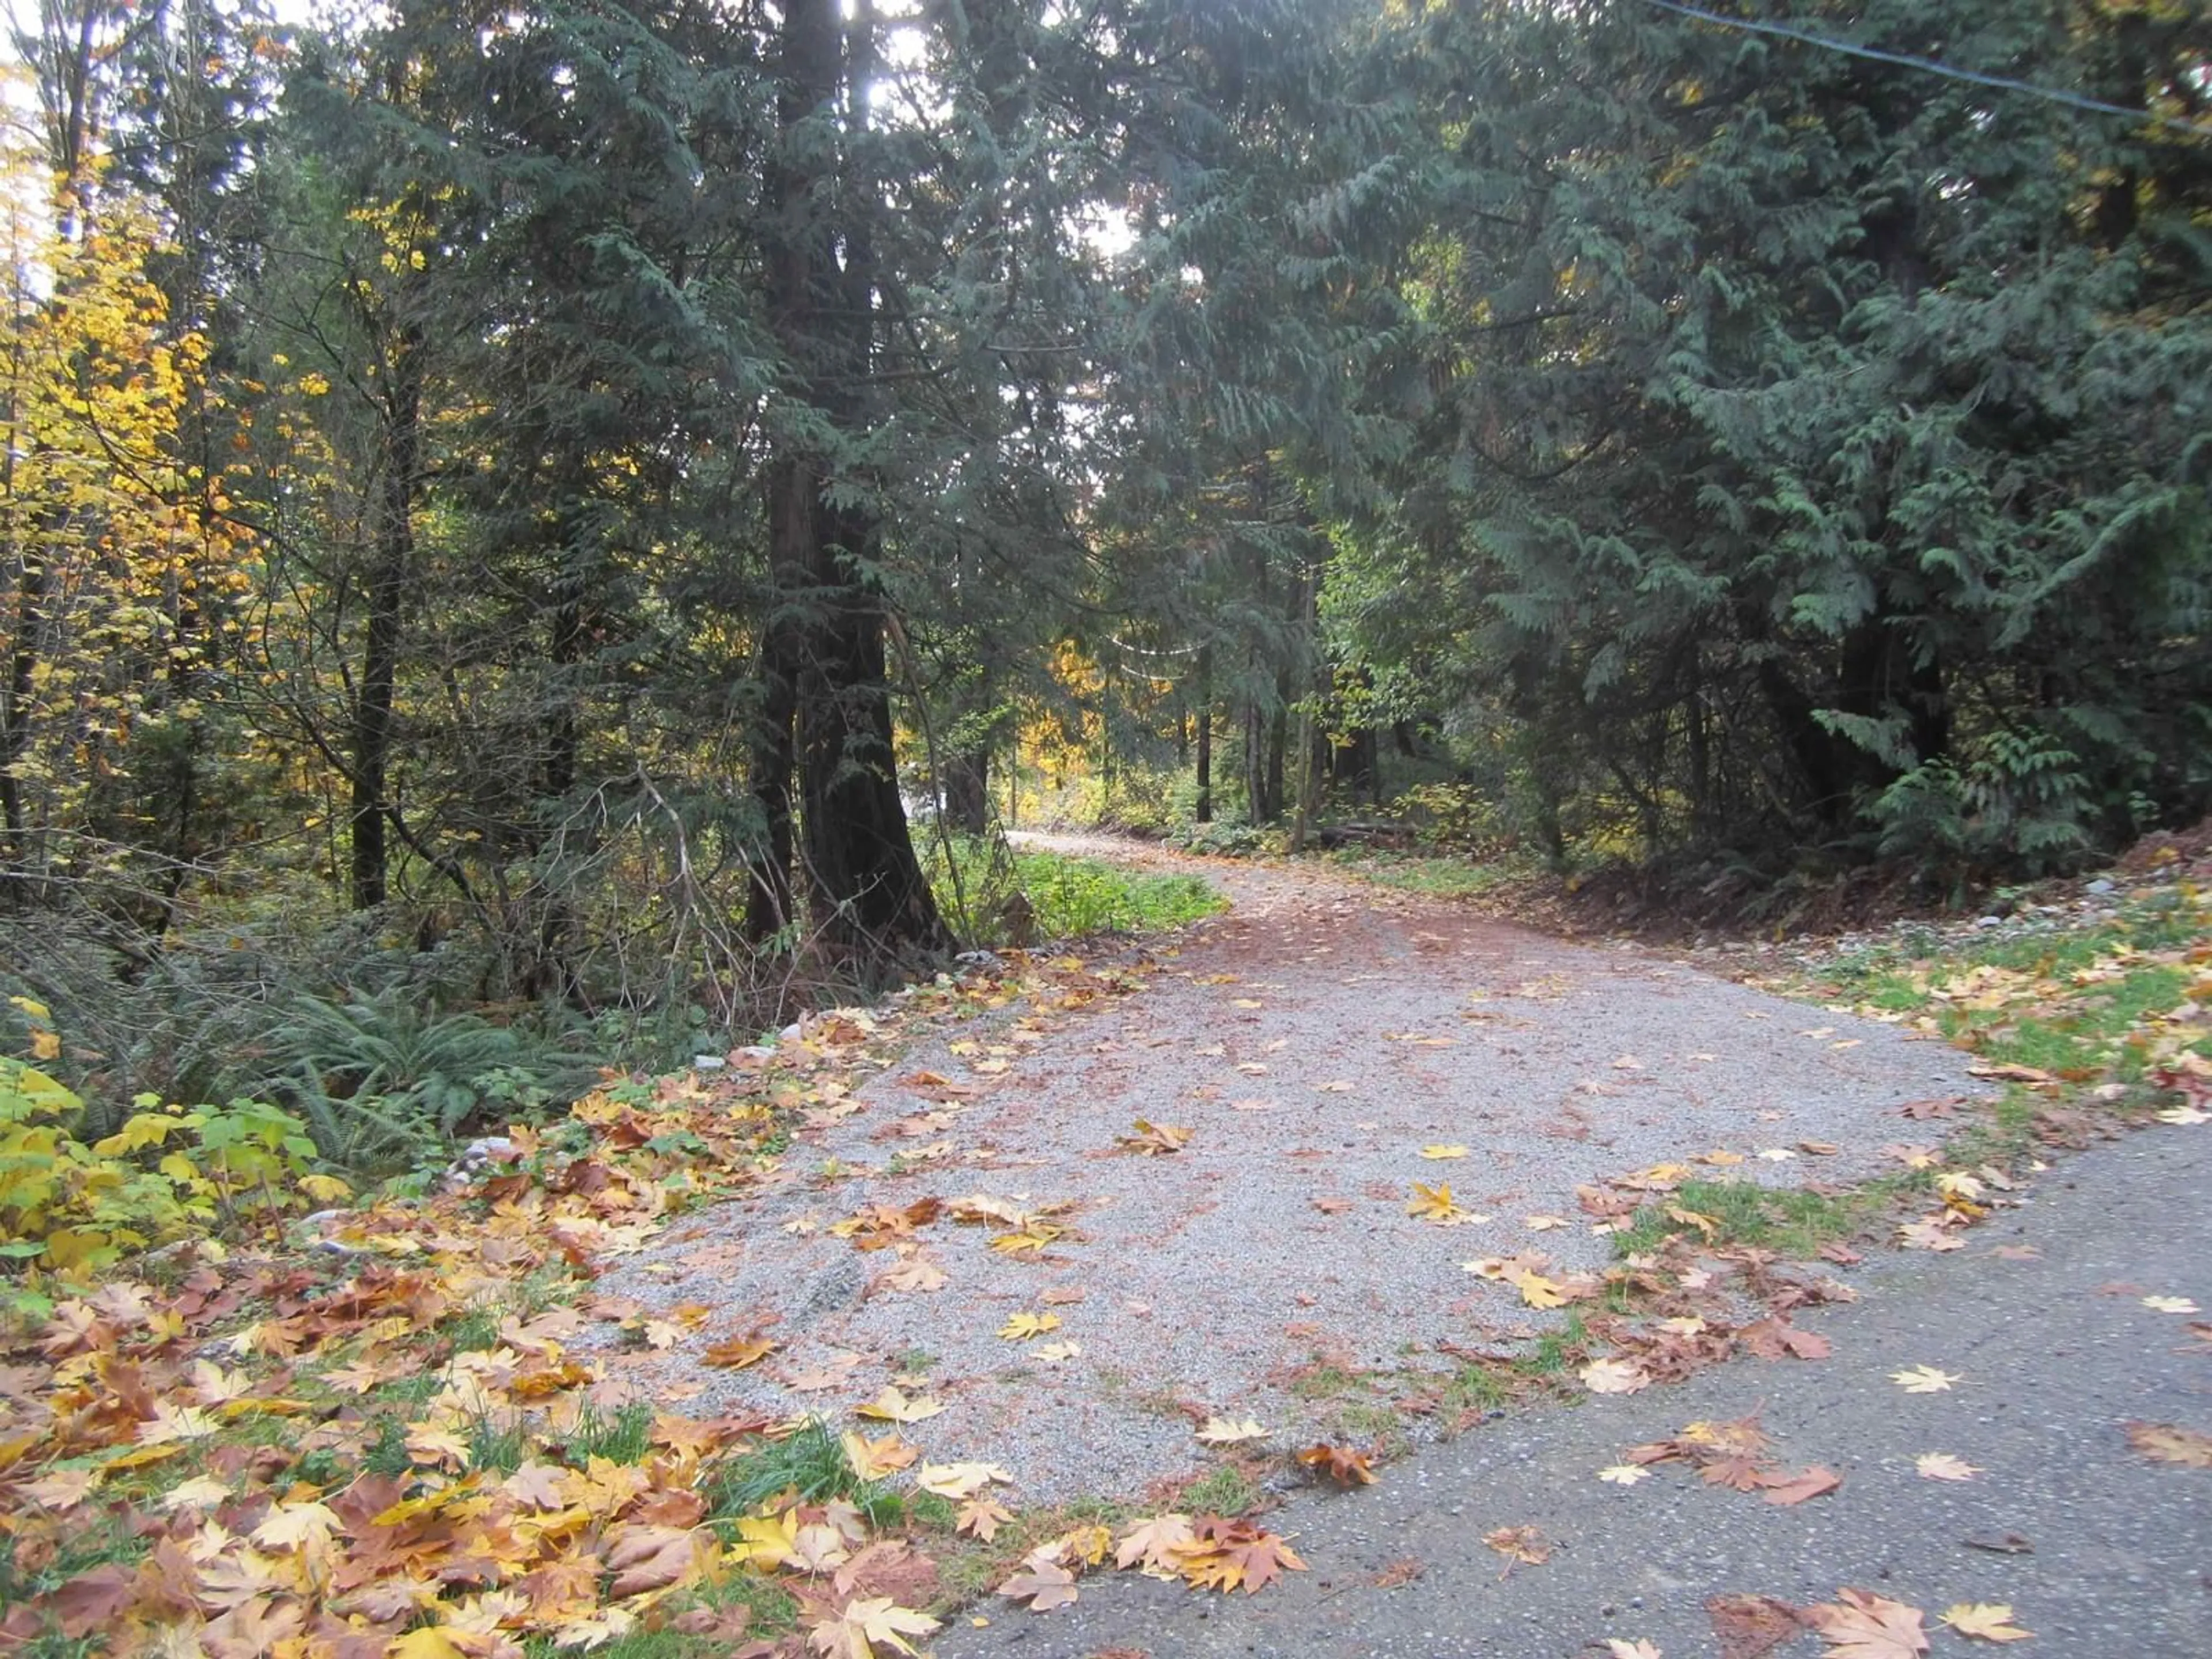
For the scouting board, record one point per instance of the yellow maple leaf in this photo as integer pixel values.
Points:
(982, 1517)
(958, 1480)
(768, 1541)
(893, 1407)
(1023, 1326)
(866, 1627)
(293, 1525)
(1992, 1621)
(1923, 1379)
(872, 1460)
(1539, 1292)
(429, 1642)
(1031, 1240)
(1434, 1204)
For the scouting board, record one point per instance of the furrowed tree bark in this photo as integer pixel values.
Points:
(869, 903)
(391, 556)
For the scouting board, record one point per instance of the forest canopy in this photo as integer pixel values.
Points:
(572, 507)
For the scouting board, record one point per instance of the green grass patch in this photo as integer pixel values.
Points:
(625, 1438)
(1476, 1388)
(933, 1511)
(1325, 1382)
(1787, 1220)
(500, 1447)
(1226, 1489)
(1555, 1350)
(1065, 897)
(812, 1462)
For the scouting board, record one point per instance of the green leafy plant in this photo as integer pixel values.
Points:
(168, 1173)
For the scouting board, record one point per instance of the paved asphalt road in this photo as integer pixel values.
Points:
(2056, 1353)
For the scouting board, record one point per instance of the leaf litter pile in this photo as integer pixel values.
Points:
(749, 1355)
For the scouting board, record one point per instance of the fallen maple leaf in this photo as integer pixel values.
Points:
(1990, 1621)
(1929, 1233)
(2164, 1442)
(2171, 1304)
(739, 1353)
(872, 1460)
(1434, 1204)
(893, 1407)
(1042, 1583)
(1441, 1151)
(1225, 1554)
(866, 1625)
(1942, 1466)
(818, 1546)
(1151, 1546)
(1031, 1240)
(1151, 1140)
(958, 1480)
(1791, 1489)
(290, 1525)
(1623, 1474)
(653, 1558)
(200, 1491)
(1519, 1544)
(1023, 1326)
(913, 1275)
(1230, 1432)
(982, 1517)
(1341, 1465)
(1752, 1626)
(428, 1642)
(1613, 1376)
(1860, 1625)
(1639, 1649)
(1539, 1292)
(1925, 1379)
(1053, 1353)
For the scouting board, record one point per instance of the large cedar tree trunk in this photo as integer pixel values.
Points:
(869, 903)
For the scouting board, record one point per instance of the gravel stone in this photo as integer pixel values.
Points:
(1314, 1039)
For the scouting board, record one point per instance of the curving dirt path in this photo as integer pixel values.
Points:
(1313, 1040)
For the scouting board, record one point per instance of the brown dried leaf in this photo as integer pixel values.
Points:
(1520, 1544)
(1042, 1583)
(1786, 1490)
(1860, 1625)
(1752, 1626)
(2167, 1442)
(1344, 1467)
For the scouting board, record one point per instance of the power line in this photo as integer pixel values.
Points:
(1906, 60)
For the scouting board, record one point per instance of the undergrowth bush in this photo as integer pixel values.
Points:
(73, 1207)
(359, 1039)
(383, 1081)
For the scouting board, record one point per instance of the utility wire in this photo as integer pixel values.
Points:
(2053, 94)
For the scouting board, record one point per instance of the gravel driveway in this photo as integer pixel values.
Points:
(1314, 1040)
